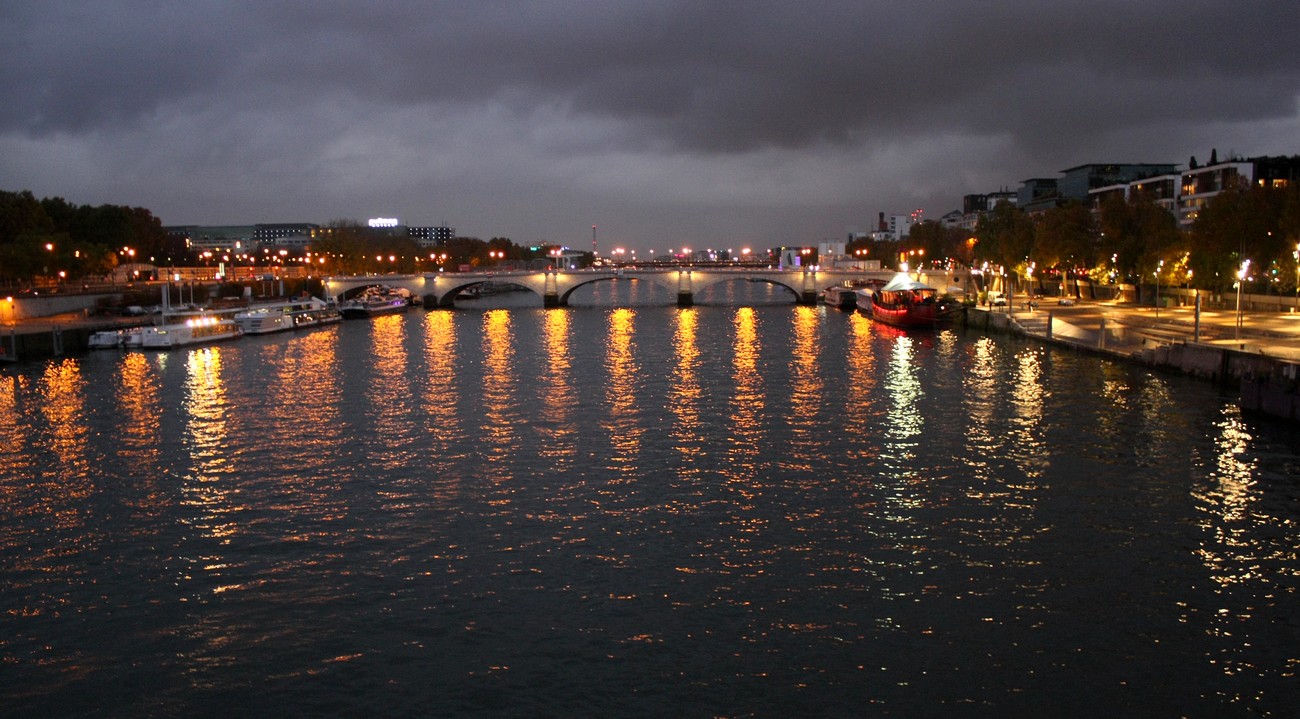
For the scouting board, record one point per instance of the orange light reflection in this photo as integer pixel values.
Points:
(498, 424)
(623, 426)
(684, 396)
(559, 397)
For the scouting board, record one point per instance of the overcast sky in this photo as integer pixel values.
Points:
(665, 122)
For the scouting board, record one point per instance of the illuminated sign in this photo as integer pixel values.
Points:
(383, 222)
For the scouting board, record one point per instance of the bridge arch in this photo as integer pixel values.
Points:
(447, 292)
(712, 280)
(580, 281)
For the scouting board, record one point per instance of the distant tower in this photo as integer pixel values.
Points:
(593, 242)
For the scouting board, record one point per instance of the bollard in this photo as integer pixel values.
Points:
(1101, 335)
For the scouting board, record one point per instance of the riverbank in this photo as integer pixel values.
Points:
(1257, 353)
(58, 335)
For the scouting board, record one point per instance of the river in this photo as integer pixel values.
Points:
(623, 508)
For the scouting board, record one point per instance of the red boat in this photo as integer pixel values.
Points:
(904, 302)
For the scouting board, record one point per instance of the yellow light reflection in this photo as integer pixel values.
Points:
(1227, 502)
(807, 442)
(1028, 394)
(388, 393)
(442, 392)
(1235, 553)
(980, 399)
(304, 397)
(63, 403)
(861, 359)
(623, 425)
(750, 399)
(19, 469)
(684, 397)
(15, 460)
(904, 422)
(206, 439)
(559, 397)
(139, 411)
(498, 425)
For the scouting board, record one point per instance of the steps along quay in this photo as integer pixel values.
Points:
(554, 287)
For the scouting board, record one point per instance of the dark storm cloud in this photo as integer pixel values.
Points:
(941, 97)
(710, 76)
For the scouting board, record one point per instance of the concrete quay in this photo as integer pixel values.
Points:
(35, 338)
(1258, 354)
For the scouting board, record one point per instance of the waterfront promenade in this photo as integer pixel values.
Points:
(1130, 329)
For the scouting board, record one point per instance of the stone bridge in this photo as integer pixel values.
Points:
(554, 287)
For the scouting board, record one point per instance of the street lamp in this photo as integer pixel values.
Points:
(1159, 265)
(1296, 255)
(1241, 277)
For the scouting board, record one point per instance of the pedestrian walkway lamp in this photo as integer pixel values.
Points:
(1241, 278)
(1159, 266)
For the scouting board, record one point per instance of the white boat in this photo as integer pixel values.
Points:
(194, 331)
(116, 339)
(375, 301)
(285, 316)
(106, 340)
(841, 297)
(265, 320)
(314, 311)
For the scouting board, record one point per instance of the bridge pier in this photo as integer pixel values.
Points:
(685, 292)
(551, 291)
(808, 294)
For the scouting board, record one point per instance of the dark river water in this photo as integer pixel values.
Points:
(745, 508)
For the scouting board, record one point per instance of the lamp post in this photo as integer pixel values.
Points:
(1296, 255)
(1159, 265)
(1241, 278)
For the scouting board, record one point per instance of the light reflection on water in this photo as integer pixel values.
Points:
(622, 424)
(559, 445)
(807, 439)
(208, 451)
(498, 423)
(749, 404)
(443, 435)
(755, 510)
(686, 392)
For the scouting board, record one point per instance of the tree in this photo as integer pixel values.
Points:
(939, 242)
(1137, 233)
(342, 244)
(21, 215)
(1066, 238)
(1005, 236)
(1236, 225)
